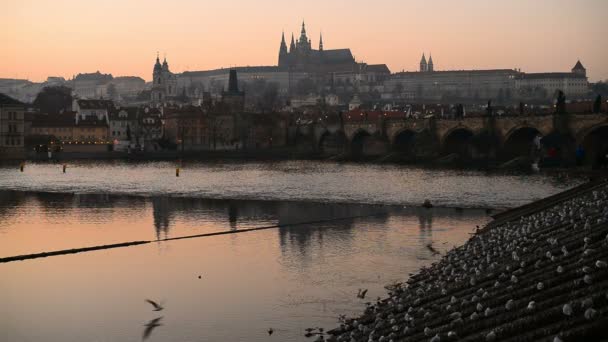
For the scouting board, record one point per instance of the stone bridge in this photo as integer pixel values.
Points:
(472, 137)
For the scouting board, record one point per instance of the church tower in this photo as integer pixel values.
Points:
(292, 46)
(430, 66)
(423, 65)
(303, 42)
(283, 52)
(320, 41)
(164, 82)
(157, 82)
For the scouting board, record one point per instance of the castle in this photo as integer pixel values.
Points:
(302, 57)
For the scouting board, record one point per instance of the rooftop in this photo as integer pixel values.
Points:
(6, 100)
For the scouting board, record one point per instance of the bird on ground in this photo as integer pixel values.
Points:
(151, 325)
(362, 293)
(157, 307)
(430, 247)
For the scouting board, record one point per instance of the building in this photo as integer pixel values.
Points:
(233, 98)
(188, 127)
(126, 87)
(99, 109)
(502, 85)
(91, 130)
(574, 84)
(150, 128)
(91, 85)
(302, 57)
(124, 124)
(301, 70)
(59, 127)
(11, 128)
(164, 82)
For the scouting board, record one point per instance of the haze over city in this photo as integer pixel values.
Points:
(67, 37)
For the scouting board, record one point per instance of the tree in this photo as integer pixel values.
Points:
(128, 132)
(489, 108)
(600, 88)
(560, 105)
(269, 96)
(597, 105)
(54, 99)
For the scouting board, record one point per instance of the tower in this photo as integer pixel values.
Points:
(423, 65)
(303, 42)
(283, 51)
(234, 98)
(164, 82)
(320, 41)
(292, 46)
(157, 81)
(430, 65)
(579, 69)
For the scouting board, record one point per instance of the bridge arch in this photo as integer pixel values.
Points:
(518, 141)
(594, 141)
(332, 143)
(560, 148)
(403, 141)
(365, 144)
(458, 140)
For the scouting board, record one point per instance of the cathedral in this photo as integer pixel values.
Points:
(164, 82)
(302, 57)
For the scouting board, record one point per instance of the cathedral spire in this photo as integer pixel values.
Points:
(423, 64)
(321, 41)
(292, 46)
(283, 49)
(430, 66)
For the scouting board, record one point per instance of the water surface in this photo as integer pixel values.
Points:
(288, 278)
(287, 180)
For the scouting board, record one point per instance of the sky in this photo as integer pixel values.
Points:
(41, 38)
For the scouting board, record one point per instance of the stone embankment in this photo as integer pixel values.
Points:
(538, 272)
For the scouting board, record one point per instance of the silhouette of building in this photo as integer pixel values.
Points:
(11, 128)
(302, 57)
(233, 97)
(164, 82)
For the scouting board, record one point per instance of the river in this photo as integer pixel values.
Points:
(290, 278)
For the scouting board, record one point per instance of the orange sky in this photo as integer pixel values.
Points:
(41, 38)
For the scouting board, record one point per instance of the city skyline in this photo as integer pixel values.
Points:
(59, 39)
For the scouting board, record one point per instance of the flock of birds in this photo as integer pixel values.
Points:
(542, 276)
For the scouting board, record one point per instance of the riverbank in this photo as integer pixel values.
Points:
(538, 272)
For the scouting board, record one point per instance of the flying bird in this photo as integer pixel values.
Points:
(157, 307)
(151, 326)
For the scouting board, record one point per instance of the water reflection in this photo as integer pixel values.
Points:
(292, 277)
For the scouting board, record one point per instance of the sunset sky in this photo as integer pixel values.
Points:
(41, 38)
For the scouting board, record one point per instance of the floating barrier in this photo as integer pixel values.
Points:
(135, 243)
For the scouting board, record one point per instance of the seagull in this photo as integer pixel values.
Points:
(157, 307)
(151, 326)
(430, 247)
(362, 294)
